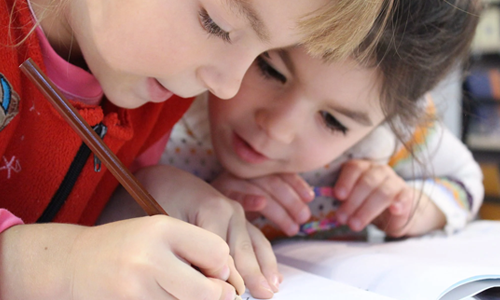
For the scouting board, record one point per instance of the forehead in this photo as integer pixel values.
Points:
(275, 21)
(341, 83)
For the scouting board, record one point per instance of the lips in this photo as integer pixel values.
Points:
(246, 152)
(157, 92)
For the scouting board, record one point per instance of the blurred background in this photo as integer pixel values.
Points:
(475, 117)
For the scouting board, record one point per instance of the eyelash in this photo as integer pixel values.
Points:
(271, 73)
(212, 28)
(268, 71)
(332, 123)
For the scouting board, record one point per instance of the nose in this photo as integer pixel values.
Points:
(282, 121)
(223, 79)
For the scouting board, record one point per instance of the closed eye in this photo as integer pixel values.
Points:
(268, 71)
(212, 28)
(332, 123)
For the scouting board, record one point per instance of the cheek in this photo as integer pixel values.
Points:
(240, 108)
(155, 60)
(153, 43)
(221, 111)
(314, 158)
(318, 152)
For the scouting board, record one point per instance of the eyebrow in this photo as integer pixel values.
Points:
(245, 8)
(360, 117)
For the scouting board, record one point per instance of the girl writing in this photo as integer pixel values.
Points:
(119, 62)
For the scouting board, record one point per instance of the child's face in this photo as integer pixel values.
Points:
(294, 113)
(145, 50)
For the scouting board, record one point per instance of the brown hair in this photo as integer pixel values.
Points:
(420, 44)
(338, 28)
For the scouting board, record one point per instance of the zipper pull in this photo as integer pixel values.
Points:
(101, 130)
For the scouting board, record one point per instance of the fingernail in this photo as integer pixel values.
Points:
(304, 215)
(355, 224)
(275, 283)
(341, 217)
(308, 194)
(231, 295)
(341, 192)
(397, 208)
(265, 285)
(224, 273)
(292, 230)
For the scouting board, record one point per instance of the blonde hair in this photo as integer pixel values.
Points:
(336, 30)
(52, 5)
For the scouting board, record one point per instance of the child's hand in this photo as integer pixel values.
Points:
(374, 192)
(140, 258)
(281, 198)
(189, 198)
(422, 219)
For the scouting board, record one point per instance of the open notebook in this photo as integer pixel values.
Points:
(429, 267)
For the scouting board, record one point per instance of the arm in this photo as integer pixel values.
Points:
(449, 176)
(147, 257)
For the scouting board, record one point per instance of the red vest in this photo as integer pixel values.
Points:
(37, 146)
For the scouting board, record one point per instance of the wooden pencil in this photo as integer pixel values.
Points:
(91, 139)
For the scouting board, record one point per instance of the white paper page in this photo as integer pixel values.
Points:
(299, 285)
(420, 268)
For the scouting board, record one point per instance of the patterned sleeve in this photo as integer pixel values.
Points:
(445, 170)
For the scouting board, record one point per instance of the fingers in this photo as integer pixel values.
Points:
(187, 283)
(250, 196)
(259, 266)
(396, 220)
(375, 203)
(367, 191)
(300, 186)
(281, 198)
(360, 181)
(404, 204)
(286, 196)
(215, 215)
(242, 249)
(277, 214)
(265, 257)
(249, 202)
(149, 258)
(229, 274)
(350, 173)
(232, 226)
(235, 279)
(207, 251)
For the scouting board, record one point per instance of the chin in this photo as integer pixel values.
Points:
(187, 93)
(244, 172)
(125, 101)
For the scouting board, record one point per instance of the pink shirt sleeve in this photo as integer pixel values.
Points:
(151, 156)
(7, 220)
